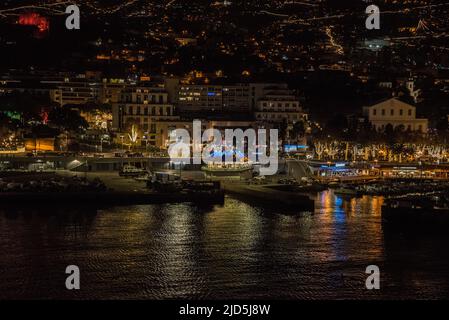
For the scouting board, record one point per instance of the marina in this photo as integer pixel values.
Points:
(134, 184)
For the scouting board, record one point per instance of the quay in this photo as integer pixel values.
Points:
(123, 191)
(81, 163)
(120, 191)
(270, 196)
(363, 172)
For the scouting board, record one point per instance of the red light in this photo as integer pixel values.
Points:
(35, 19)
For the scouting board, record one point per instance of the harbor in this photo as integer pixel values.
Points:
(293, 187)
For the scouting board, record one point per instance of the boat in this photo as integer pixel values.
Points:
(272, 196)
(206, 188)
(164, 182)
(131, 171)
(346, 191)
(147, 176)
(206, 191)
(236, 170)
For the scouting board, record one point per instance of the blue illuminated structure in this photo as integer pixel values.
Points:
(295, 148)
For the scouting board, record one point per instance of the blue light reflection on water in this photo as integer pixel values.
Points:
(232, 251)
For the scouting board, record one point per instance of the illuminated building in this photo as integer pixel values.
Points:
(395, 113)
(76, 91)
(375, 44)
(143, 107)
(34, 19)
(233, 98)
(279, 106)
(224, 98)
(82, 90)
(40, 144)
(186, 41)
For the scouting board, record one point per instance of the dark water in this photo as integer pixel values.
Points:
(235, 251)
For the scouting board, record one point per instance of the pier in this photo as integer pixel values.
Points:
(270, 196)
(120, 191)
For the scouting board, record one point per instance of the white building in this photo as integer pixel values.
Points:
(396, 113)
(279, 106)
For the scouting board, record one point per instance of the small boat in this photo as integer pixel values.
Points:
(164, 182)
(144, 178)
(168, 183)
(243, 170)
(346, 191)
(131, 171)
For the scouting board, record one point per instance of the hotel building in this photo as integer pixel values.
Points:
(146, 108)
(278, 106)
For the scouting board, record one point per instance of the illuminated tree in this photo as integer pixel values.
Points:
(436, 152)
(354, 153)
(319, 150)
(133, 136)
(332, 150)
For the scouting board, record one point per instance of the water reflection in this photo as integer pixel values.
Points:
(231, 251)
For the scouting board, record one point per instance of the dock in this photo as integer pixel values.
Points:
(268, 195)
(120, 191)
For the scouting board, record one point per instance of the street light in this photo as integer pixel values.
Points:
(146, 141)
(122, 137)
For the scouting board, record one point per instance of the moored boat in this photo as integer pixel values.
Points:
(131, 171)
(165, 182)
(237, 170)
(346, 191)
